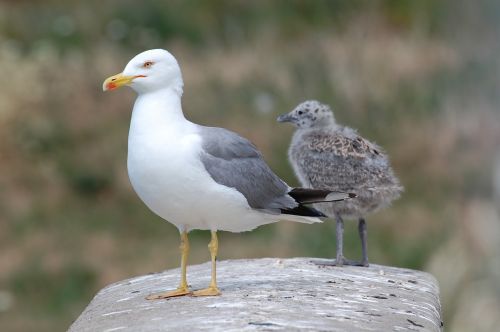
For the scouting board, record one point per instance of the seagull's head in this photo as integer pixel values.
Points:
(309, 114)
(147, 72)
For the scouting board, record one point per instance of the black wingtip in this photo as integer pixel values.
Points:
(305, 211)
(352, 195)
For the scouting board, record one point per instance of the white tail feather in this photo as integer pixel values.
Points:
(301, 219)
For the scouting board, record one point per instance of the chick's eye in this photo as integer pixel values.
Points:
(147, 64)
(300, 112)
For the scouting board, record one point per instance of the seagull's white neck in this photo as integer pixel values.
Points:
(158, 110)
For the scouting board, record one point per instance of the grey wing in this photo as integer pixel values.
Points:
(235, 162)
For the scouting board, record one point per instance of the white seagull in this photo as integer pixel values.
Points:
(199, 177)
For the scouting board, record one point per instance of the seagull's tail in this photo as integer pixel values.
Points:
(307, 214)
(301, 219)
(303, 211)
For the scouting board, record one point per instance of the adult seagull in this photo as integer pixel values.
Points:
(199, 177)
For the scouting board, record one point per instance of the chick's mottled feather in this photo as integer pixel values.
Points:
(326, 155)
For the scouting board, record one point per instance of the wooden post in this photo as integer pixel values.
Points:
(272, 294)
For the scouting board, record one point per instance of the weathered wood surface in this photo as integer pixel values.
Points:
(272, 294)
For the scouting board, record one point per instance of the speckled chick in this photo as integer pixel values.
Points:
(327, 155)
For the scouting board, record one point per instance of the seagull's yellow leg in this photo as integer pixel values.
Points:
(183, 288)
(212, 290)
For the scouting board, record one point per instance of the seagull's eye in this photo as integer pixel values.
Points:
(300, 112)
(147, 64)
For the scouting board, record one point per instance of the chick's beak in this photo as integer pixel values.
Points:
(116, 81)
(286, 118)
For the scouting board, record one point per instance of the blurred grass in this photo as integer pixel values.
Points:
(418, 77)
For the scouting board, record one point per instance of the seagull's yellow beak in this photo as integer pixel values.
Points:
(118, 80)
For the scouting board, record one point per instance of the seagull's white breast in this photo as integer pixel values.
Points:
(166, 172)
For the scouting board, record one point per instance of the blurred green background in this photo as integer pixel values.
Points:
(421, 78)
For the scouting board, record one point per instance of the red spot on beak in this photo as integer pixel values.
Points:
(111, 86)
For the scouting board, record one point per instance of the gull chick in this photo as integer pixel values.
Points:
(326, 155)
(199, 177)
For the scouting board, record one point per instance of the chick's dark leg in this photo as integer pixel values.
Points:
(340, 259)
(363, 236)
(340, 241)
(339, 235)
